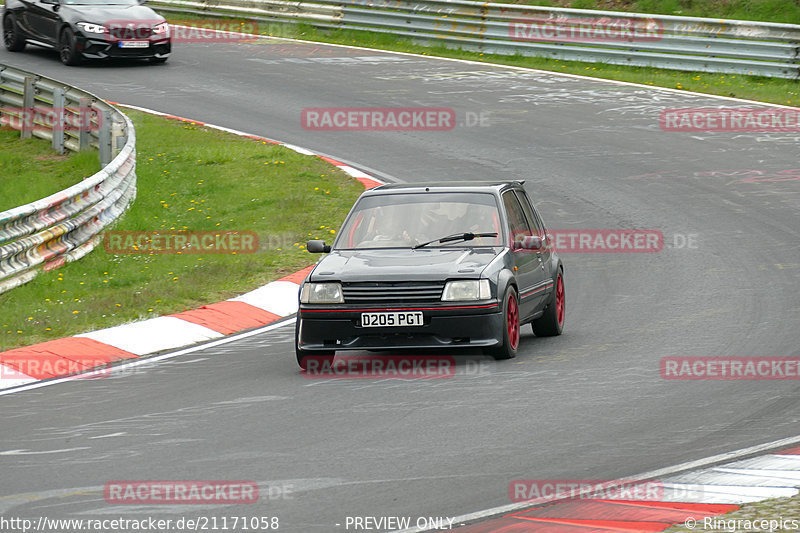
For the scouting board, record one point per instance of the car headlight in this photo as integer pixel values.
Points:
(88, 27)
(161, 29)
(472, 289)
(322, 293)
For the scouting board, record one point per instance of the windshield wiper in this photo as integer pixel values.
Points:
(456, 237)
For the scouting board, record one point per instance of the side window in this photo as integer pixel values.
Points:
(516, 217)
(535, 222)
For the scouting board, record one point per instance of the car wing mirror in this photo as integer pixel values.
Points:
(316, 246)
(530, 242)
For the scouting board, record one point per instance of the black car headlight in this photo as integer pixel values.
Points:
(469, 289)
(322, 293)
(90, 27)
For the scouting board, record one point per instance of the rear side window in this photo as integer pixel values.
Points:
(533, 218)
(516, 217)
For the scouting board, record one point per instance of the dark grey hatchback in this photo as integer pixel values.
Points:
(441, 265)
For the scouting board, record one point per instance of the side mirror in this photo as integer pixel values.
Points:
(51, 2)
(316, 246)
(530, 242)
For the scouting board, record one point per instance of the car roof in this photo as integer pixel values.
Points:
(447, 186)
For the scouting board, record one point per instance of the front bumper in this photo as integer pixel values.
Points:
(446, 326)
(100, 48)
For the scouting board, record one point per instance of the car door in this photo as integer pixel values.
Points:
(544, 256)
(41, 20)
(531, 277)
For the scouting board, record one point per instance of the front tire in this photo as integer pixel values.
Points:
(508, 350)
(551, 323)
(68, 48)
(12, 38)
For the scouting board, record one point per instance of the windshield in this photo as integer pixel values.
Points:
(407, 220)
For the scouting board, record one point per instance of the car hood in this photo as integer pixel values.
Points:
(426, 264)
(103, 14)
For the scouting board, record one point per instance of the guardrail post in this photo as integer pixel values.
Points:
(796, 60)
(28, 93)
(58, 121)
(105, 137)
(85, 120)
(119, 137)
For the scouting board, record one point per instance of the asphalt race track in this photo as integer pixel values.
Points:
(590, 404)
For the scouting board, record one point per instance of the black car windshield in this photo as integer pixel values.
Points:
(406, 220)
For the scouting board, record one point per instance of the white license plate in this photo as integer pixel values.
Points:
(134, 44)
(393, 318)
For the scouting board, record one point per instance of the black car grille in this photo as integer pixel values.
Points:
(389, 293)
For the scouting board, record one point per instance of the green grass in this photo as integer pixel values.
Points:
(30, 169)
(773, 90)
(189, 178)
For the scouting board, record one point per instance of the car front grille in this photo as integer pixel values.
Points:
(400, 292)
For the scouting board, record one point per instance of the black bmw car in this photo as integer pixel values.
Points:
(443, 265)
(87, 29)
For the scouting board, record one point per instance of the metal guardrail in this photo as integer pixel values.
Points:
(66, 225)
(661, 41)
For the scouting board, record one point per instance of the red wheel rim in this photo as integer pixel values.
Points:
(512, 319)
(560, 301)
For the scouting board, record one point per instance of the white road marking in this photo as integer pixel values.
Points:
(153, 335)
(46, 452)
(119, 434)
